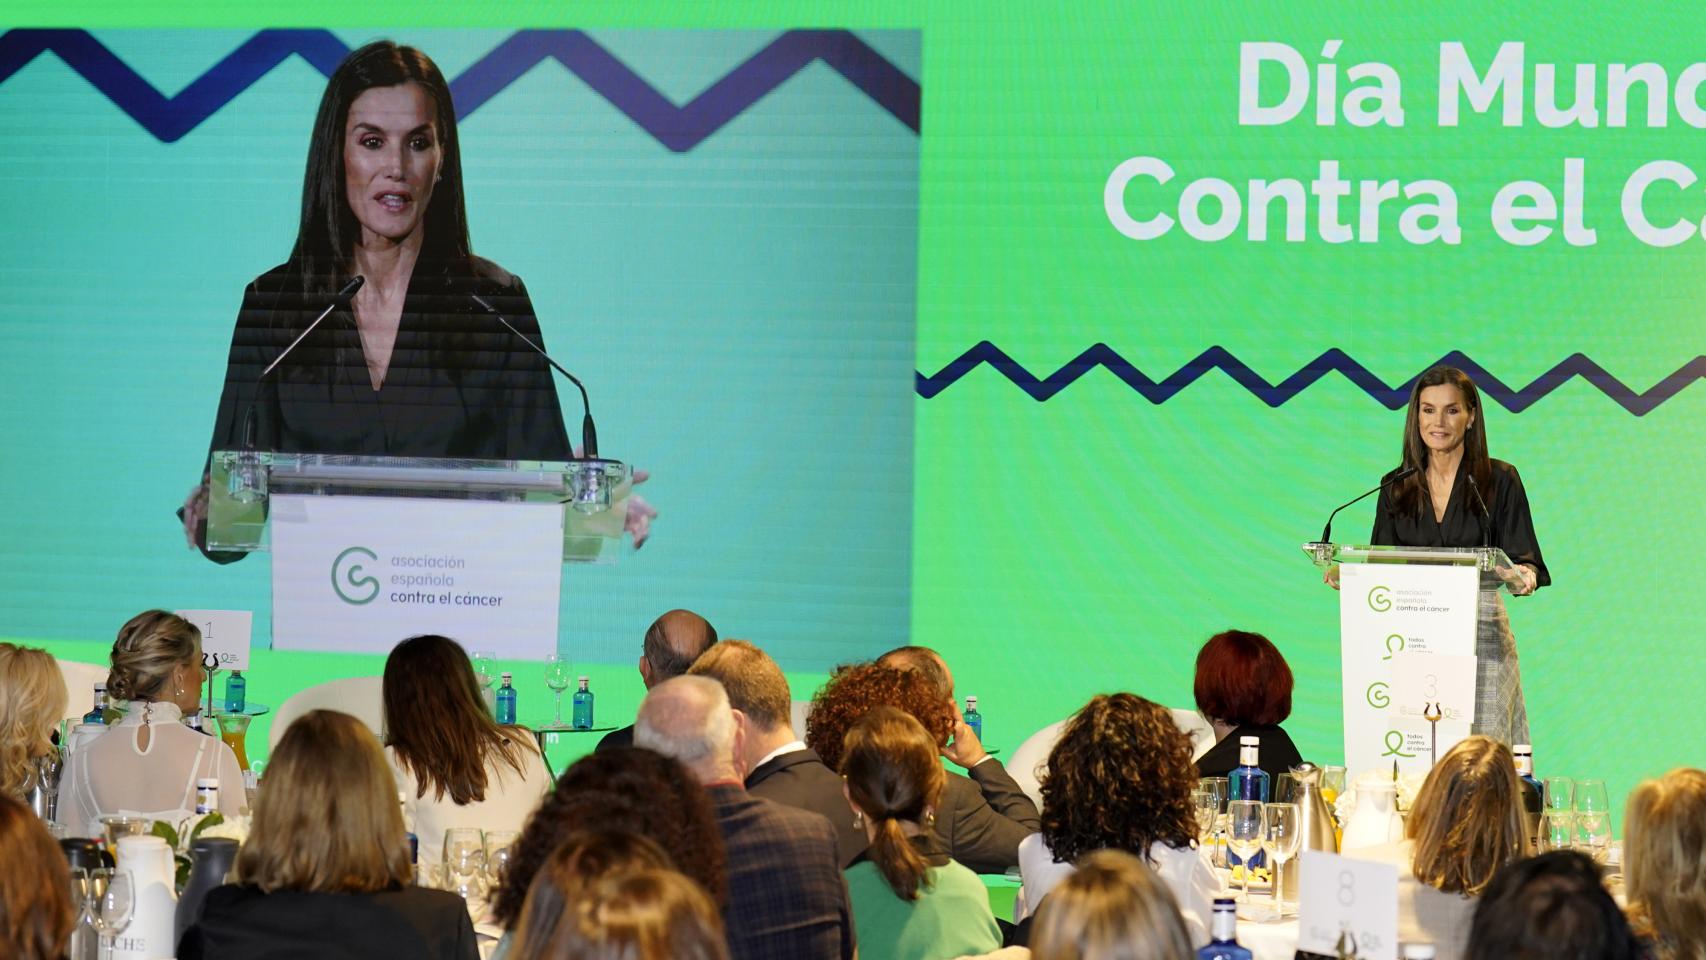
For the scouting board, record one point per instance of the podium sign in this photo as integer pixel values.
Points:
(358, 574)
(1390, 615)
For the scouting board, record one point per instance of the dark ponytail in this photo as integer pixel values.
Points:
(894, 777)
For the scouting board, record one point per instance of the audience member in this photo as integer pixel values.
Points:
(1664, 864)
(1550, 907)
(627, 790)
(673, 642)
(147, 763)
(1120, 777)
(641, 915)
(787, 898)
(1111, 907)
(32, 702)
(35, 886)
(1467, 823)
(325, 870)
(582, 859)
(982, 818)
(1243, 689)
(454, 765)
(907, 904)
(779, 766)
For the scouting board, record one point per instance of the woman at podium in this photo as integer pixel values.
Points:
(1458, 496)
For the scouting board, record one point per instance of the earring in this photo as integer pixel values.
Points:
(858, 820)
(930, 819)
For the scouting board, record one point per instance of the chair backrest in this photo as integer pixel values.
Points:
(1030, 761)
(80, 679)
(359, 697)
(800, 709)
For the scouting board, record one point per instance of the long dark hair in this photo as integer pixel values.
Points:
(893, 774)
(326, 235)
(436, 721)
(1409, 495)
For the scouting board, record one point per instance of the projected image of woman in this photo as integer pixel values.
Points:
(1461, 497)
(413, 365)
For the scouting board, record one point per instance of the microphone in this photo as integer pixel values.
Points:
(1486, 519)
(1327, 531)
(589, 433)
(342, 298)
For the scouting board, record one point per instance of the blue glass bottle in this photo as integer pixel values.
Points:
(506, 702)
(236, 692)
(974, 720)
(1248, 781)
(581, 718)
(99, 714)
(1223, 943)
(1533, 794)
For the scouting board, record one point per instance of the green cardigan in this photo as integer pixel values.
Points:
(950, 918)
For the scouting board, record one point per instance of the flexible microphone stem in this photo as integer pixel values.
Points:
(589, 433)
(1486, 519)
(343, 297)
(1327, 531)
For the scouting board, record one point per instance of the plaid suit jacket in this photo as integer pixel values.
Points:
(787, 897)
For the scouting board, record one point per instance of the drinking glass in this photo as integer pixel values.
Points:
(1560, 793)
(1332, 783)
(1219, 788)
(1246, 827)
(485, 666)
(464, 861)
(1282, 836)
(1591, 797)
(1285, 788)
(1557, 830)
(558, 676)
(114, 827)
(500, 844)
(1207, 807)
(115, 898)
(1593, 835)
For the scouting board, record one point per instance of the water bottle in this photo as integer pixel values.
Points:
(1223, 942)
(974, 720)
(506, 702)
(206, 796)
(236, 692)
(99, 714)
(1248, 781)
(582, 717)
(1533, 794)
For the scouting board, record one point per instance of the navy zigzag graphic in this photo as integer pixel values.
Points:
(1332, 361)
(680, 128)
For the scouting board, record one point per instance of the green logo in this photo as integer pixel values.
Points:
(1376, 696)
(1380, 599)
(1397, 638)
(1395, 745)
(362, 587)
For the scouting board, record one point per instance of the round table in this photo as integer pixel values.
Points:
(542, 736)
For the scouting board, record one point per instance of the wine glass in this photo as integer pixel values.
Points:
(1207, 808)
(1246, 827)
(1560, 793)
(464, 861)
(500, 845)
(1282, 836)
(1219, 788)
(1591, 797)
(1593, 834)
(1332, 783)
(115, 898)
(1557, 830)
(558, 676)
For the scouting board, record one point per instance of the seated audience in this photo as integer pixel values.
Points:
(1110, 906)
(1550, 907)
(908, 904)
(35, 885)
(32, 702)
(1664, 864)
(455, 766)
(582, 860)
(778, 765)
(983, 817)
(1243, 689)
(787, 898)
(147, 762)
(652, 914)
(1467, 822)
(325, 870)
(1120, 778)
(673, 642)
(622, 790)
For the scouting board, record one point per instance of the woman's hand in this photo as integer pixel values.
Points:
(1522, 578)
(638, 522)
(1330, 576)
(194, 512)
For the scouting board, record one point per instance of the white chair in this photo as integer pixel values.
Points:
(800, 709)
(1030, 761)
(80, 679)
(359, 697)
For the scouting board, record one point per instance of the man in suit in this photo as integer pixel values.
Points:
(985, 814)
(787, 898)
(672, 643)
(780, 767)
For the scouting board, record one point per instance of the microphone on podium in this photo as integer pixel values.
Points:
(342, 298)
(1486, 519)
(1327, 530)
(589, 433)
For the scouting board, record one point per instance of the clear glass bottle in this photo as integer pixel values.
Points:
(583, 707)
(506, 701)
(99, 714)
(236, 692)
(1223, 934)
(974, 720)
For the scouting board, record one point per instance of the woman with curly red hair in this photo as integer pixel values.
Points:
(1120, 778)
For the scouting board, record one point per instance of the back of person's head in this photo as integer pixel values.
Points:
(893, 774)
(925, 661)
(1550, 907)
(149, 651)
(648, 914)
(674, 641)
(1120, 777)
(626, 789)
(689, 718)
(32, 702)
(35, 887)
(856, 689)
(436, 721)
(1468, 819)
(754, 683)
(1664, 861)
(582, 859)
(327, 818)
(1112, 907)
(1243, 679)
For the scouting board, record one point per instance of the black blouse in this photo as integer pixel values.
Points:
(1511, 529)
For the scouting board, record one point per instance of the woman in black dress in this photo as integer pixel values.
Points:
(1461, 497)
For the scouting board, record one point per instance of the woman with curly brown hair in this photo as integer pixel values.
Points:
(35, 889)
(983, 817)
(1120, 778)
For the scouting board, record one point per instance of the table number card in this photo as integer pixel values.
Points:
(1353, 899)
(224, 633)
(1445, 681)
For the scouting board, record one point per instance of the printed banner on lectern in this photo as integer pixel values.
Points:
(1385, 612)
(359, 574)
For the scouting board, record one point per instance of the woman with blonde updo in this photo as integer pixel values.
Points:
(32, 701)
(147, 763)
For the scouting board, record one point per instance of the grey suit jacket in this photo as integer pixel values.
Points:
(982, 818)
(801, 779)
